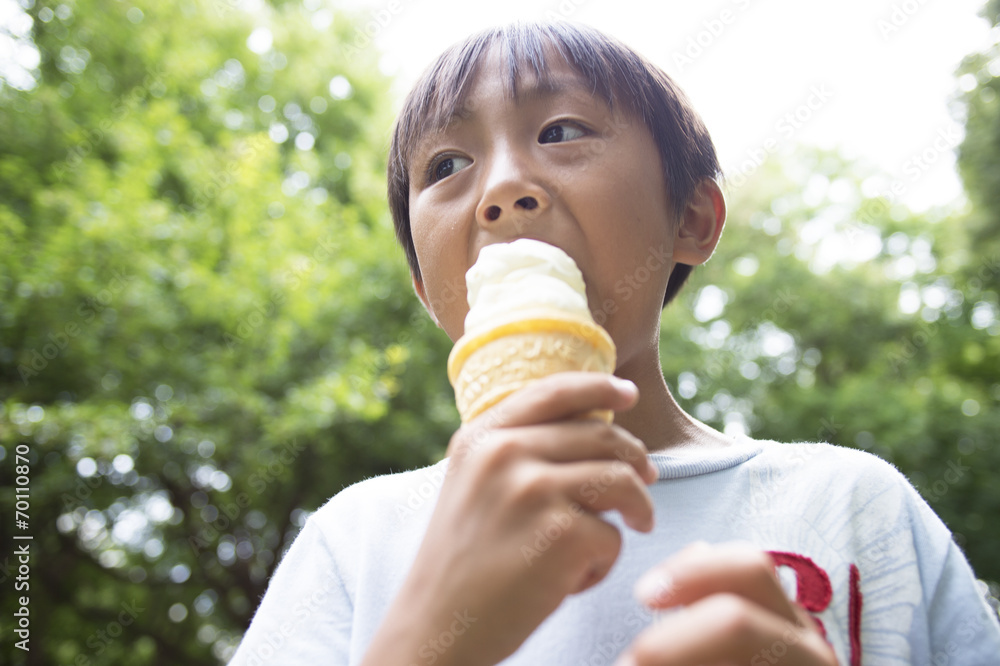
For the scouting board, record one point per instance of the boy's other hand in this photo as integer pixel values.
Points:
(734, 611)
(517, 526)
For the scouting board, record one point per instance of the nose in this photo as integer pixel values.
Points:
(512, 193)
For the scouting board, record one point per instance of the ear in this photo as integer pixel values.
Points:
(418, 286)
(700, 225)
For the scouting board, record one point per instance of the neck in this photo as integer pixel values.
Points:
(657, 419)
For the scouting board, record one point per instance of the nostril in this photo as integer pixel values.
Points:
(493, 213)
(528, 203)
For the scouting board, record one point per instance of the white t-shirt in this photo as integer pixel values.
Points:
(854, 544)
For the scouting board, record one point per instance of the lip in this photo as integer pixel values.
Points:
(534, 238)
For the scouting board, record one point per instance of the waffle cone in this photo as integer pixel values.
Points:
(487, 366)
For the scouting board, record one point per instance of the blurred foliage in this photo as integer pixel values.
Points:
(979, 154)
(206, 329)
(204, 322)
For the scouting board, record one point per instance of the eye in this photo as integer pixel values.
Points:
(559, 132)
(446, 166)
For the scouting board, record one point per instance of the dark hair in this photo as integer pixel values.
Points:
(614, 71)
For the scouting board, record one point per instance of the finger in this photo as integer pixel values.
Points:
(602, 543)
(701, 570)
(576, 441)
(560, 396)
(602, 486)
(726, 628)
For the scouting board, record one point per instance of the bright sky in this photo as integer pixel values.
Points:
(879, 72)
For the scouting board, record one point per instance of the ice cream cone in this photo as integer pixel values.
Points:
(488, 365)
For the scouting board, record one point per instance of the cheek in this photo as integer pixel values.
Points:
(441, 255)
(637, 254)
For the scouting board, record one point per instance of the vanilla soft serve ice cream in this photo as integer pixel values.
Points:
(511, 280)
(528, 318)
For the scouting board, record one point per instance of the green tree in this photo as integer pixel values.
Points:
(204, 323)
(979, 154)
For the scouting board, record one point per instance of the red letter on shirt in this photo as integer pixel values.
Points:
(814, 593)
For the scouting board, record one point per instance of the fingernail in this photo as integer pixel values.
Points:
(624, 385)
(652, 472)
(656, 587)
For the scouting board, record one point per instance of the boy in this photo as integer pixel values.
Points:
(505, 549)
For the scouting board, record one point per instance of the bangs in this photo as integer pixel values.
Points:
(439, 96)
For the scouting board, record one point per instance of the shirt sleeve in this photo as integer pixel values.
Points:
(305, 617)
(962, 627)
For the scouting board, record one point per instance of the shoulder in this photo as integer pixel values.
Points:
(381, 500)
(836, 480)
(817, 458)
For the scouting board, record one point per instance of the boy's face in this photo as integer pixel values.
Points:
(556, 165)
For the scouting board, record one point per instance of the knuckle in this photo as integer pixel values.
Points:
(625, 476)
(460, 445)
(647, 650)
(816, 644)
(734, 615)
(503, 450)
(604, 543)
(629, 447)
(760, 565)
(530, 485)
(610, 547)
(558, 393)
(608, 435)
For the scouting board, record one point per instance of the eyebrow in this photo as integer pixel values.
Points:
(546, 87)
